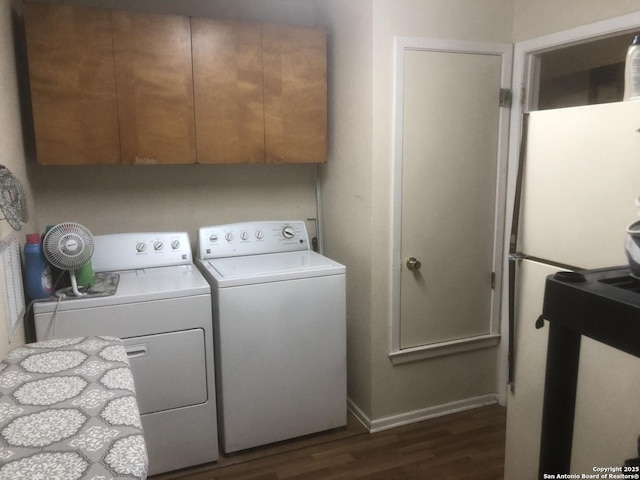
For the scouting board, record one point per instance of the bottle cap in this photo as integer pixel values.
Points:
(636, 40)
(33, 238)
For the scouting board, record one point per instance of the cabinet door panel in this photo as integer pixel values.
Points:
(155, 87)
(228, 93)
(73, 88)
(295, 94)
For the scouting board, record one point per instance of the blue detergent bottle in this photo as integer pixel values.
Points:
(37, 269)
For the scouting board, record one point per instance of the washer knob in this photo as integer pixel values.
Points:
(288, 232)
(213, 238)
(141, 247)
(259, 234)
(157, 246)
(229, 236)
(244, 235)
(175, 244)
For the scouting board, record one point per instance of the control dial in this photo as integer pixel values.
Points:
(244, 235)
(229, 236)
(259, 234)
(175, 244)
(288, 232)
(141, 247)
(213, 238)
(157, 246)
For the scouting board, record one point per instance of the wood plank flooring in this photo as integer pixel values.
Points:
(467, 445)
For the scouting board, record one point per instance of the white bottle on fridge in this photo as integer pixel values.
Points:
(632, 71)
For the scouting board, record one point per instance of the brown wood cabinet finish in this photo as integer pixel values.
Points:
(135, 88)
(295, 94)
(260, 93)
(228, 92)
(155, 88)
(73, 87)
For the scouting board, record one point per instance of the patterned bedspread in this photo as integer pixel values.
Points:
(68, 411)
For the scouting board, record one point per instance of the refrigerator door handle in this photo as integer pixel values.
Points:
(517, 197)
(511, 338)
(514, 255)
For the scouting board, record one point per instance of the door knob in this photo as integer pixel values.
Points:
(413, 263)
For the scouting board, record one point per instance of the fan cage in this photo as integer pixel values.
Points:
(68, 246)
(13, 202)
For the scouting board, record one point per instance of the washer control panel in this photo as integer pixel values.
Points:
(133, 251)
(252, 238)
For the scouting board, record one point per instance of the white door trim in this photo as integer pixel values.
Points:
(523, 96)
(505, 51)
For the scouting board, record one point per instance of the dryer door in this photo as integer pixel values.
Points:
(168, 369)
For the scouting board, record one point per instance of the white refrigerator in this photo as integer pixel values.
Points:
(581, 176)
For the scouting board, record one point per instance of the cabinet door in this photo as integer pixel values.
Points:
(73, 90)
(228, 95)
(155, 88)
(295, 94)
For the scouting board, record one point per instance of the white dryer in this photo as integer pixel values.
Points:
(161, 308)
(280, 332)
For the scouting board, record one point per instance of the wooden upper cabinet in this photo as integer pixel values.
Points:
(73, 89)
(155, 88)
(135, 88)
(295, 94)
(260, 92)
(228, 92)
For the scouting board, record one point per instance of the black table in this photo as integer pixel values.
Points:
(602, 304)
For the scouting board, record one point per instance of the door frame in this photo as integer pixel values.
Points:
(524, 89)
(505, 51)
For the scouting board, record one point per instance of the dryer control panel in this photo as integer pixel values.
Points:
(133, 251)
(252, 238)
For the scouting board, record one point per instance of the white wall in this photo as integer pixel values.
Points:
(115, 199)
(542, 17)
(420, 385)
(293, 12)
(346, 178)
(11, 151)
(356, 192)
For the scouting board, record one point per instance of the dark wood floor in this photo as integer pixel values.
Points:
(467, 445)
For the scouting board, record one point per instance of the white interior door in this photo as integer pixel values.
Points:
(450, 145)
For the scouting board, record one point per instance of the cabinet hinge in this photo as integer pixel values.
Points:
(505, 97)
(493, 280)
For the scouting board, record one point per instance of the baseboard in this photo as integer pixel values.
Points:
(414, 416)
(359, 414)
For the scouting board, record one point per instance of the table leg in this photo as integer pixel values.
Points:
(561, 379)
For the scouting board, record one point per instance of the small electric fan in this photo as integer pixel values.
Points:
(69, 246)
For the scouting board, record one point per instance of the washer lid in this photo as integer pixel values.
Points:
(233, 271)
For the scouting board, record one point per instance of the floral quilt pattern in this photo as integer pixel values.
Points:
(68, 412)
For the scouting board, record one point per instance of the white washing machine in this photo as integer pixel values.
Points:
(280, 332)
(150, 294)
